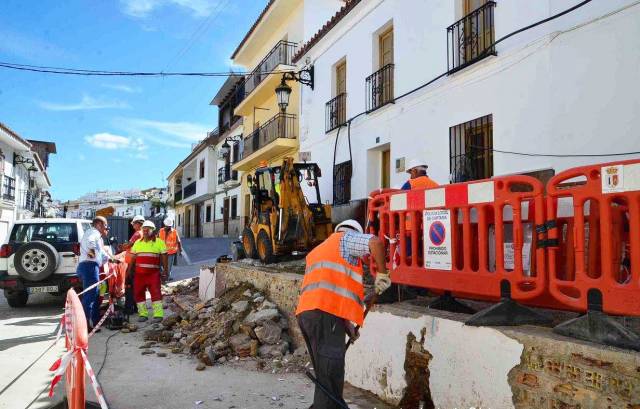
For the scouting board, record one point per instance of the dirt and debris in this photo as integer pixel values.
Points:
(416, 365)
(241, 328)
(294, 265)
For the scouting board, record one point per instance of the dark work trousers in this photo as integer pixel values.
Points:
(325, 337)
(88, 271)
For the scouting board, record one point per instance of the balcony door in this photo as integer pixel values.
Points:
(476, 31)
(385, 77)
(225, 216)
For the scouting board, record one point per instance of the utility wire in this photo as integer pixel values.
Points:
(87, 72)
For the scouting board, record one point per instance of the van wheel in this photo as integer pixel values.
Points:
(16, 298)
(265, 248)
(249, 243)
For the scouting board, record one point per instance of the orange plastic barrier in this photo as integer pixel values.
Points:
(72, 363)
(594, 214)
(467, 238)
(117, 281)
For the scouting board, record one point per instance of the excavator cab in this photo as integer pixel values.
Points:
(287, 213)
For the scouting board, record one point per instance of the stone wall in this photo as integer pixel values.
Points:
(281, 288)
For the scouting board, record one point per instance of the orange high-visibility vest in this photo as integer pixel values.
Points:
(331, 284)
(421, 182)
(170, 240)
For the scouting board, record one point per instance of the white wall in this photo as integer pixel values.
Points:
(469, 368)
(548, 91)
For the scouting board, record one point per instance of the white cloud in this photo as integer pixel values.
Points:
(170, 134)
(86, 103)
(123, 88)
(143, 8)
(20, 45)
(110, 141)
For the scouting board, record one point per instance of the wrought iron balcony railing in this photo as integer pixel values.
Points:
(336, 112)
(380, 88)
(280, 54)
(225, 174)
(280, 126)
(189, 190)
(177, 196)
(471, 38)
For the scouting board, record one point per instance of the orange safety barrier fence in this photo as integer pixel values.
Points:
(594, 232)
(466, 238)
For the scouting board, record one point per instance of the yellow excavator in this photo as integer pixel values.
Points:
(287, 214)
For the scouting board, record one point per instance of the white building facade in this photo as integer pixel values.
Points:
(25, 182)
(566, 87)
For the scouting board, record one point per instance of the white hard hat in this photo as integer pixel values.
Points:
(137, 219)
(416, 163)
(148, 223)
(349, 224)
(168, 222)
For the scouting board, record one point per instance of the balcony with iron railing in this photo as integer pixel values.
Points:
(225, 174)
(379, 87)
(189, 190)
(177, 196)
(471, 38)
(282, 53)
(278, 135)
(336, 112)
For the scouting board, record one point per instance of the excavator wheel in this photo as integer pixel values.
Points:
(249, 243)
(265, 248)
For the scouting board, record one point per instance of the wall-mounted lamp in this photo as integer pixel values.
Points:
(226, 148)
(283, 91)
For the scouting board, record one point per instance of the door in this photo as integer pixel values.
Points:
(225, 215)
(187, 222)
(386, 169)
(385, 79)
(198, 220)
(476, 31)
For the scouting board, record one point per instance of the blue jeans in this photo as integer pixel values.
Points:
(88, 272)
(170, 261)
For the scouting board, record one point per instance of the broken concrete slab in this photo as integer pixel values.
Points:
(268, 332)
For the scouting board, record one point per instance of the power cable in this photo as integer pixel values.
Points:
(554, 155)
(87, 72)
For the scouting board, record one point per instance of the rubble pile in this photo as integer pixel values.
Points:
(240, 327)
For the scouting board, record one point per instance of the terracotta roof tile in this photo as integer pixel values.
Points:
(344, 10)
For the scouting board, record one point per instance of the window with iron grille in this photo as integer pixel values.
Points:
(208, 215)
(471, 150)
(342, 183)
(202, 169)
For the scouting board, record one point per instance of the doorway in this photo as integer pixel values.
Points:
(187, 222)
(225, 216)
(198, 220)
(385, 168)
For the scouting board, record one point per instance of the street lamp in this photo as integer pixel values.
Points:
(226, 148)
(283, 91)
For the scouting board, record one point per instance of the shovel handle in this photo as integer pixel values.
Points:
(370, 305)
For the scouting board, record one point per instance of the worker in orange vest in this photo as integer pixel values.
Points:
(332, 301)
(130, 303)
(418, 179)
(174, 246)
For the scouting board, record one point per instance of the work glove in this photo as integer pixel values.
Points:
(382, 283)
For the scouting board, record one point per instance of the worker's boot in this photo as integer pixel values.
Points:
(143, 313)
(158, 312)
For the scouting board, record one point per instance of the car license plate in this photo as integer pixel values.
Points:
(47, 289)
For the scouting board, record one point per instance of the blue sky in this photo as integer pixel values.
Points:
(120, 132)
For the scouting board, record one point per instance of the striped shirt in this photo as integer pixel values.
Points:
(354, 245)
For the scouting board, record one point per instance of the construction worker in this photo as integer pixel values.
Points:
(136, 223)
(174, 246)
(332, 300)
(148, 255)
(417, 170)
(130, 303)
(92, 256)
